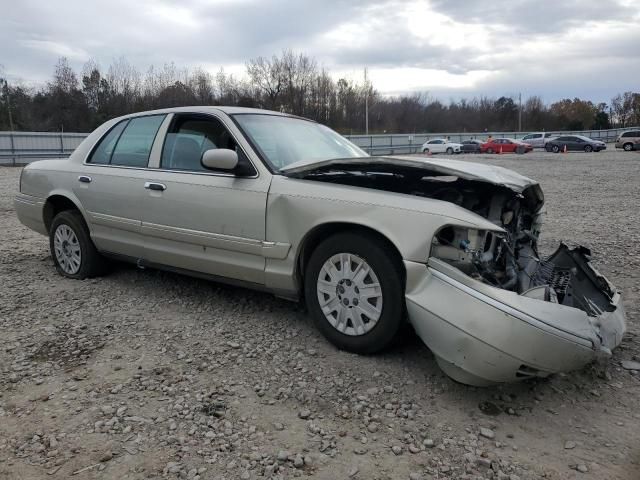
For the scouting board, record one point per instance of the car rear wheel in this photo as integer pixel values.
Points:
(354, 293)
(73, 251)
(555, 149)
(588, 148)
(627, 147)
(489, 150)
(449, 151)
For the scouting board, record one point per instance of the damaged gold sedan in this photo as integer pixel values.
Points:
(283, 204)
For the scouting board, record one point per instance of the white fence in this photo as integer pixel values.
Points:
(24, 147)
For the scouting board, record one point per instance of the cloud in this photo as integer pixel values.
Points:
(58, 49)
(445, 47)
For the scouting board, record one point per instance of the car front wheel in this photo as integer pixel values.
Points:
(555, 149)
(449, 151)
(73, 252)
(627, 147)
(354, 292)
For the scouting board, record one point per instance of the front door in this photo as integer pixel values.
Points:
(200, 220)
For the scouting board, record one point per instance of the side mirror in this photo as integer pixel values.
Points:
(220, 159)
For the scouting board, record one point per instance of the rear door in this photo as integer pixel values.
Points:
(436, 146)
(200, 220)
(575, 144)
(508, 146)
(110, 186)
(534, 139)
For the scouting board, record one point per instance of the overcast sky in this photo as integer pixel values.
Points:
(448, 48)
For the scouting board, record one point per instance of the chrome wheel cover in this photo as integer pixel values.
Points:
(349, 294)
(67, 249)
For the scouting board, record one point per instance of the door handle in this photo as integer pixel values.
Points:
(155, 186)
(84, 179)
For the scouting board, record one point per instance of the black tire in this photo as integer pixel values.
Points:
(92, 264)
(555, 149)
(449, 151)
(489, 150)
(426, 150)
(588, 148)
(627, 147)
(388, 271)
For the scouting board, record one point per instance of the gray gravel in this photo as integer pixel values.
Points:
(145, 374)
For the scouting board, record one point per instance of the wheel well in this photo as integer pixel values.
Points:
(321, 232)
(54, 205)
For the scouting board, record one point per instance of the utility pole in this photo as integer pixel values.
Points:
(366, 102)
(6, 92)
(519, 112)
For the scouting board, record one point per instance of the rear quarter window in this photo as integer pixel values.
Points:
(102, 153)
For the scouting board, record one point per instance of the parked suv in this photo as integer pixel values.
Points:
(627, 140)
(538, 140)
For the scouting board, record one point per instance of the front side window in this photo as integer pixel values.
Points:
(191, 135)
(282, 141)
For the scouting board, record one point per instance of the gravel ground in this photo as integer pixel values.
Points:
(145, 374)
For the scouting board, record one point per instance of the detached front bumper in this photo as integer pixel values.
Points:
(481, 335)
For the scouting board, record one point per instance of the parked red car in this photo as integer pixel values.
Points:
(505, 145)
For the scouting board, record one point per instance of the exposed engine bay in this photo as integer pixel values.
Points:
(505, 259)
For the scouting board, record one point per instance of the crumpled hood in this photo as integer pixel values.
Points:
(459, 168)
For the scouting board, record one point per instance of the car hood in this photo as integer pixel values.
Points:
(467, 170)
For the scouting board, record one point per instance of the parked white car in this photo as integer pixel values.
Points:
(441, 145)
(279, 203)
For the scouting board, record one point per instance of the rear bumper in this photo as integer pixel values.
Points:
(480, 340)
(29, 210)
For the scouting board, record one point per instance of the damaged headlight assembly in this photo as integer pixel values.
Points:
(482, 254)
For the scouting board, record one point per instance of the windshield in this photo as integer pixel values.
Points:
(283, 141)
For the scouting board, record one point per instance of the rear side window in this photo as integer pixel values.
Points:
(102, 154)
(135, 142)
(631, 134)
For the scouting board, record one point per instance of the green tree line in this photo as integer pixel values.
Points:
(289, 82)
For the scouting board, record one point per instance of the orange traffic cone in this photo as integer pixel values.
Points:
(564, 149)
(500, 151)
(429, 153)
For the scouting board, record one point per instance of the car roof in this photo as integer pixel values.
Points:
(210, 109)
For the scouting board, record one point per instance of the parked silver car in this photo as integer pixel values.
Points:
(283, 204)
(628, 140)
(538, 140)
